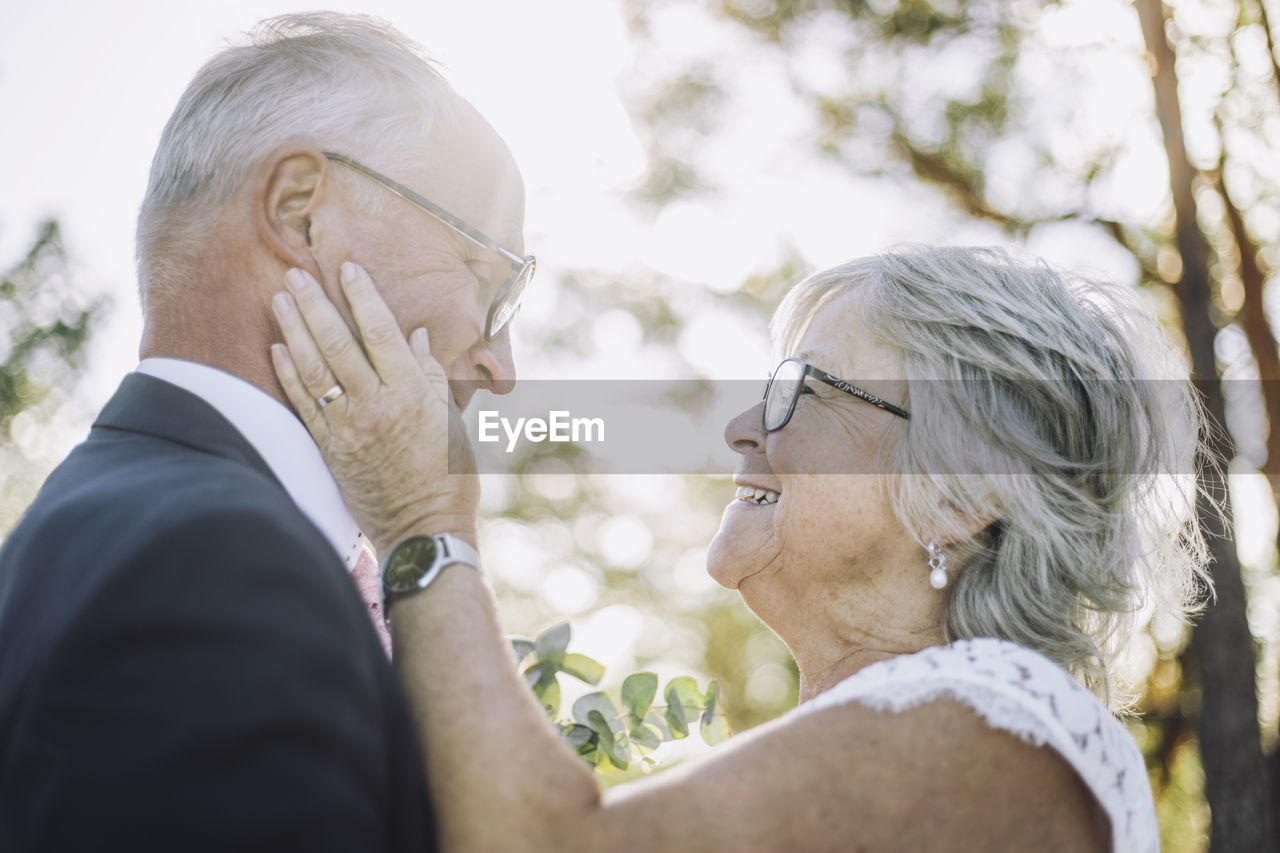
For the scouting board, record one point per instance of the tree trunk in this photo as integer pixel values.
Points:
(1236, 779)
(1264, 20)
(1253, 320)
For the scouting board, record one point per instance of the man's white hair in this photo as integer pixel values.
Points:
(339, 82)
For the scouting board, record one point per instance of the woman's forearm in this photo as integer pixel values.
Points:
(498, 774)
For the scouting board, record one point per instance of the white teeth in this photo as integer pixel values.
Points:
(754, 495)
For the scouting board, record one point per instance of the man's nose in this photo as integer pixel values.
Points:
(745, 433)
(495, 363)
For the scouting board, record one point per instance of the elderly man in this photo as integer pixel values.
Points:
(186, 661)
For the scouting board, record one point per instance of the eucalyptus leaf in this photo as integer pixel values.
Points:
(583, 668)
(578, 736)
(684, 691)
(638, 691)
(552, 642)
(540, 672)
(714, 729)
(654, 718)
(645, 736)
(684, 704)
(548, 694)
(600, 703)
(599, 724)
(522, 647)
(591, 753)
(714, 726)
(547, 689)
(621, 753)
(615, 746)
(676, 723)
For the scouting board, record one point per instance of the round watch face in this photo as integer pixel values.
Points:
(408, 563)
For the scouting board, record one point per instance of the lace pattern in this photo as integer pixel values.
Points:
(1022, 692)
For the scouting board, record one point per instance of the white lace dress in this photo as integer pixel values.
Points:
(1025, 693)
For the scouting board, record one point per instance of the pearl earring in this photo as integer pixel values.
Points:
(937, 566)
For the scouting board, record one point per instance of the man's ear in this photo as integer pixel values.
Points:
(291, 183)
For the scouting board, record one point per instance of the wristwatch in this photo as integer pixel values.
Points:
(417, 561)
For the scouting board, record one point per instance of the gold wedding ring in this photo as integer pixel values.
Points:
(329, 396)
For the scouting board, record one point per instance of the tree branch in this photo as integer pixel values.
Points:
(933, 168)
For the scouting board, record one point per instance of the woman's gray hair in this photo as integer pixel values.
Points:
(1050, 411)
(345, 82)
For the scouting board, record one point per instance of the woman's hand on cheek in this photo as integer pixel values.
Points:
(381, 413)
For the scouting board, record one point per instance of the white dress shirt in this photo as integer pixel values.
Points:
(280, 439)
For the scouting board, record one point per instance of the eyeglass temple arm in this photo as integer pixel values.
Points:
(475, 235)
(836, 382)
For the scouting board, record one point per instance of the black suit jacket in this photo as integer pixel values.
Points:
(185, 664)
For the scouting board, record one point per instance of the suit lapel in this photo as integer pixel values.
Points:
(153, 407)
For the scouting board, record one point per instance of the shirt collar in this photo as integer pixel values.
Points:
(280, 439)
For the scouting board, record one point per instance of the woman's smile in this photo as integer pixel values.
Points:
(756, 495)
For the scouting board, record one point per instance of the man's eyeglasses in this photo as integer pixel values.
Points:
(507, 302)
(787, 384)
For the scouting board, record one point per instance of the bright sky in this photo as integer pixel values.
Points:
(85, 90)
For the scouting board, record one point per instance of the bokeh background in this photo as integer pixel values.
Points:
(685, 161)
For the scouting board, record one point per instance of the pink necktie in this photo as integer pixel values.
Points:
(365, 575)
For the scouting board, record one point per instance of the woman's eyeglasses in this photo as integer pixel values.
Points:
(787, 384)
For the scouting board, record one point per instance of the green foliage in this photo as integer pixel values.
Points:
(1181, 807)
(45, 322)
(609, 734)
(673, 114)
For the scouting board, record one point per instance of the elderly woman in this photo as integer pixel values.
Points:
(955, 613)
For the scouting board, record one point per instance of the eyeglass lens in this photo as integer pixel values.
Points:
(780, 399)
(508, 302)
